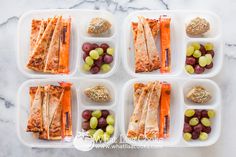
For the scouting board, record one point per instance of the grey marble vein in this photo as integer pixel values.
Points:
(7, 103)
(165, 4)
(8, 20)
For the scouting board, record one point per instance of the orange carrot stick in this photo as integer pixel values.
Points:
(165, 44)
(65, 47)
(66, 110)
(165, 110)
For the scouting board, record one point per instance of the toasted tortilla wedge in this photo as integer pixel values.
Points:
(144, 112)
(138, 88)
(35, 123)
(151, 46)
(52, 60)
(35, 29)
(151, 122)
(142, 63)
(38, 58)
(133, 128)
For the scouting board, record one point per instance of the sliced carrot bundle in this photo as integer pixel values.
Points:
(66, 110)
(65, 47)
(165, 110)
(165, 44)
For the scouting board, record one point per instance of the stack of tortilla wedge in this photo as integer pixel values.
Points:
(151, 105)
(50, 45)
(46, 111)
(145, 33)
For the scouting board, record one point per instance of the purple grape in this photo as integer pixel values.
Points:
(98, 62)
(190, 60)
(104, 46)
(86, 125)
(94, 69)
(206, 129)
(198, 128)
(85, 55)
(212, 52)
(102, 122)
(107, 59)
(198, 69)
(195, 135)
(87, 47)
(187, 128)
(202, 49)
(209, 66)
(197, 114)
(105, 113)
(95, 46)
(187, 119)
(204, 113)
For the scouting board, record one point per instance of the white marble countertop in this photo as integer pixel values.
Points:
(11, 78)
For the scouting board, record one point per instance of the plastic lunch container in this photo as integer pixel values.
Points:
(179, 88)
(180, 80)
(79, 35)
(79, 104)
(179, 42)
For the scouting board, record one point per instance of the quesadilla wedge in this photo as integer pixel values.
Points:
(138, 88)
(144, 112)
(35, 29)
(52, 59)
(37, 60)
(133, 128)
(35, 123)
(142, 63)
(151, 122)
(151, 46)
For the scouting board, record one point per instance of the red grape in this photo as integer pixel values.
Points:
(86, 125)
(198, 128)
(202, 49)
(107, 59)
(84, 56)
(87, 114)
(206, 129)
(104, 46)
(195, 135)
(197, 114)
(94, 69)
(187, 119)
(87, 47)
(187, 128)
(95, 46)
(209, 66)
(98, 62)
(211, 52)
(204, 113)
(190, 60)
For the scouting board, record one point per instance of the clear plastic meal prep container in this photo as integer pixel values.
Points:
(79, 22)
(122, 104)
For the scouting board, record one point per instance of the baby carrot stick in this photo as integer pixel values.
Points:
(65, 47)
(165, 44)
(66, 110)
(165, 110)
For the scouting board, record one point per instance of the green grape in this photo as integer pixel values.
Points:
(187, 136)
(94, 54)
(209, 46)
(99, 50)
(194, 121)
(97, 113)
(110, 119)
(189, 69)
(196, 46)
(93, 122)
(202, 61)
(86, 67)
(110, 51)
(105, 68)
(206, 122)
(190, 50)
(211, 113)
(105, 137)
(110, 129)
(203, 136)
(98, 135)
(91, 132)
(209, 58)
(189, 113)
(89, 60)
(197, 54)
